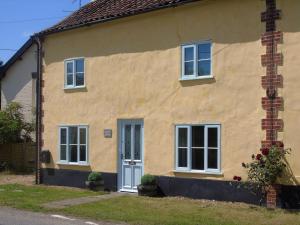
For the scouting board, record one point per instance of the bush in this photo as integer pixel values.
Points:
(265, 169)
(148, 179)
(95, 177)
(13, 127)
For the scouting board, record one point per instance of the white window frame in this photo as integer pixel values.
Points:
(189, 151)
(196, 59)
(67, 161)
(73, 61)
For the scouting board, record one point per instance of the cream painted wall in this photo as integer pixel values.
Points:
(290, 48)
(18, 86)
(133, 70)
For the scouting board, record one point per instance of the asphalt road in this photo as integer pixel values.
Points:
(10, 216)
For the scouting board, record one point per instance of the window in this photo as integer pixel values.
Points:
(196, 61)
(73, 144)
(198, 148)
(74, 73)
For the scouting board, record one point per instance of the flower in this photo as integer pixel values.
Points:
(265, 151)
(237, 178)
(281, 145)
(258, 157)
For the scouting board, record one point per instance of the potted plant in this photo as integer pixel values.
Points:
(148, 186)
(95, 182)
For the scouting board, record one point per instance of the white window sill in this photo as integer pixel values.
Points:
(74, 88)
(196, 78)
(199, 172)
(72, 164)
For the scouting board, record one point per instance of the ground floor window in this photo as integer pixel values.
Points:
(198, 148)
(73, 145)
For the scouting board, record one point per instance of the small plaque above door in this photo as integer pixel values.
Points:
(108, 133)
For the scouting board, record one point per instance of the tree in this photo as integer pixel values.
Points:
(1, 62)
(13, 127)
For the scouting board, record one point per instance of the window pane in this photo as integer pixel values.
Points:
(212, 157)
(79, 65)
(182, 157)
(204, 51)
(213, 137)
(63, 152)
(128, 142)
(198, 136)
(63, 136)
(69, 79)
(197, 159)
(204, 68)
(79, 79)
(83, 153)
(73, 153)
(69, 67)
(188, 54)
(82, 136)
(182, 137)
(137, 142)
(73, 135)
(189, 68)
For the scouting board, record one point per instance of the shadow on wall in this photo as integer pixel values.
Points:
(216, 20)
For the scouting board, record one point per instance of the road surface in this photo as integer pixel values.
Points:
(10, 216)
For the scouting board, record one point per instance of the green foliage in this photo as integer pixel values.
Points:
(13, 127)
(148, 179)
(94, 176)
(265, 168)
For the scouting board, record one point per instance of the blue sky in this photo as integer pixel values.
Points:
(21, 18)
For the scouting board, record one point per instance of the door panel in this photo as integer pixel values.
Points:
(127, 179)
(131, 154)
(137, 175)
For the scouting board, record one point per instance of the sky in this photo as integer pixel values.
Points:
(19, 19)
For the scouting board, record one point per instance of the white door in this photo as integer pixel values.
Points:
(131, 154)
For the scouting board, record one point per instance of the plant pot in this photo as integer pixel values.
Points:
(95, 185)
(148, 190)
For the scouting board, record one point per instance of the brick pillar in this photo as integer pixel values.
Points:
(271, 82)
(273, 196)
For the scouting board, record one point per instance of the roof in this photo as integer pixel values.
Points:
(15, 57)
(105, 10)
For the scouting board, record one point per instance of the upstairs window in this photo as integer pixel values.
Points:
(198, 148)
(74, 73)
(196, 61)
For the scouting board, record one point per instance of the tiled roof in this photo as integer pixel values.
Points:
(105, 10)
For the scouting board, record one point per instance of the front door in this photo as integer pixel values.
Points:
(131, 154)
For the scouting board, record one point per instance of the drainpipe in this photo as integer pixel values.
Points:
(38, 139)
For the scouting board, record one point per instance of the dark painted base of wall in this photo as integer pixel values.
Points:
(175, 186)
(75, 178)
(206, 189)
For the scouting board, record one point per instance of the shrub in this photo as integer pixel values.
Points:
(148, 179)
(13, 126)
(264, 169)
(93, 176)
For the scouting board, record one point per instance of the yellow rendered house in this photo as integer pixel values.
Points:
(184, 90)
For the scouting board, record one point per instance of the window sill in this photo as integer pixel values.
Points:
(72, 164)
(74, 88)
(197, 78)
(199, 172)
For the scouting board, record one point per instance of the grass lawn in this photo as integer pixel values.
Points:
(176, 211)
(31, 197)
(143, 210)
